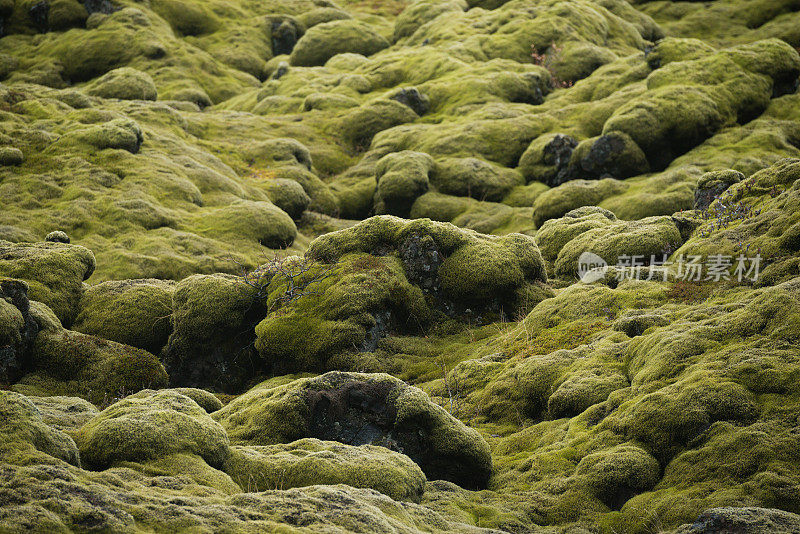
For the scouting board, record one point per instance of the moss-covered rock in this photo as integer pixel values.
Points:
(475, 178)
(18, 329)
(752, 215)
(133, 312)
(123, 134)
(150, 425)
(546, 158)
(289, 196)
(712, 185)
(11, 156)
(650, 240)
(358, 409)
(401, 177)
(54, 273)
(64, 413)
(679, 112)
(612, 155)
(259, 222)
(74, 364)
(574, 194)
(212, 332)
(745, 520)
(124, 83)
(361, 124)
(468, 267)
(57, 236)
(422, 12)
(207, 400)
(325, 40)
(615, 475)
(24, 432)
(308, 462)
(320, 315)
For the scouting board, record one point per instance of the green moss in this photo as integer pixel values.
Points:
(212, 332)
(64, 413)
(11, 156)
(349, 309)
(259, 222)
(133, 312)
(475, 178)
(186, 18)
(654, 237)
(614, 154)
(680, 109)
(69, 363)
(442, 446)
(665, 193)
(122, 134)
(574, 194)
(401, 178)
(54, 272)
(24, 431)
(289, 196)
(184, 465)
(328, 101)
(554, 234)
(474, 267)
(325, 40)
(765, 225)
(422, 12)
(583, 389)
(615, 474)
(322, 15)
(125, 83)
(207, 401)
(309, 462)
(66, 14)
(151, 425)
(361, 124)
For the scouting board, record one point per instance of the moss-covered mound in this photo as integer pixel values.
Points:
(466, 267)
(54, 273)
(133, 312)
(211, 343)
(309, 462)
(25, 433)
(323, 41)
(358, 409)
(65, 362)
(18, 329)
(124, 83)
(150, 425)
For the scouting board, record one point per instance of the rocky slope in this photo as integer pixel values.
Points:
(305, 266)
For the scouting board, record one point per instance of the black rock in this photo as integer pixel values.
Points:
(15, 352)
(411, 97)
(38, 13)
(99, 6)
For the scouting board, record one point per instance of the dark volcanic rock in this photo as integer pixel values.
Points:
(750, 520)
(712, 185)
(18, 330)
(411, 97)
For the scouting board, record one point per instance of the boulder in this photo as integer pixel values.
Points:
(362, 409)
(309, 462)
(323, 41)
(150, 425)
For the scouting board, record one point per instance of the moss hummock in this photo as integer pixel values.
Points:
(359, 409)
(150, 425)
(309, 462)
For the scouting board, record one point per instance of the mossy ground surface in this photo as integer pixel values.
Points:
(312, 266)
